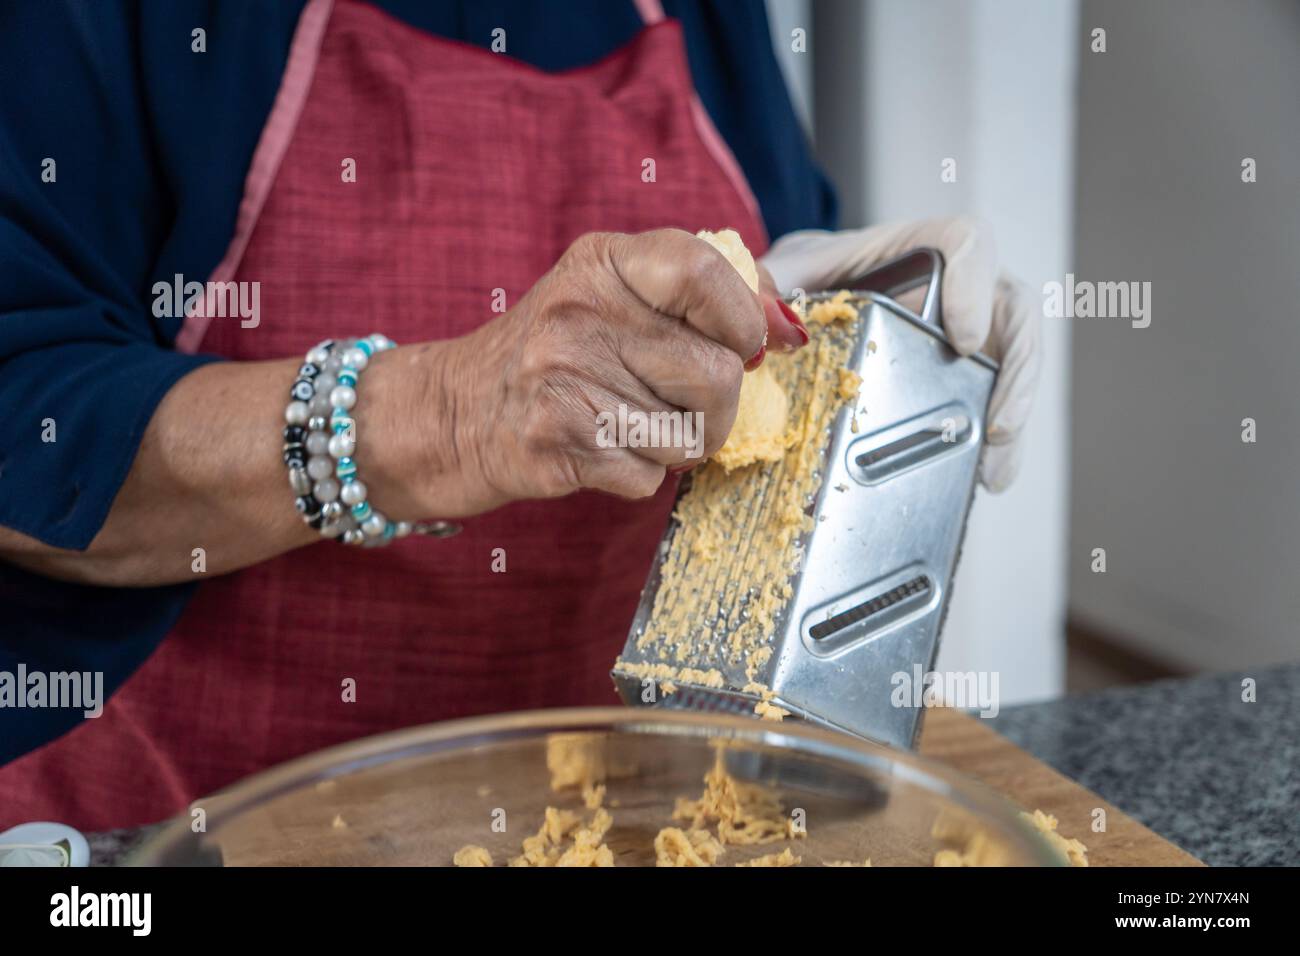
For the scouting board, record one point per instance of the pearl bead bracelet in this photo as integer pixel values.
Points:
(319, 443)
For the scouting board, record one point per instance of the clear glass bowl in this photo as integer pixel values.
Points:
(414, 797)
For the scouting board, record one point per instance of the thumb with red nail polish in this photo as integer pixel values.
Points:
(785, 331)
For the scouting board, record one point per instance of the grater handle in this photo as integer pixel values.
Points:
(923, 266)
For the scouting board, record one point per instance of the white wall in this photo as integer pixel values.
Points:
(1200, 530)
(898, 86)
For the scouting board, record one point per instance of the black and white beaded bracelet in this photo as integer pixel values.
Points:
(319, 443)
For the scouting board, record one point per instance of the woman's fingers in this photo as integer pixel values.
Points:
(622, 472)
(676, 274)
(625, 359)
(785, 330)
(1013, 343)
(687, 371)
(970, 270)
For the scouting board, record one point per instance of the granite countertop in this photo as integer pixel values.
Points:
(1186, 757)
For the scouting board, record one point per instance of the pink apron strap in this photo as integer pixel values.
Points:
(271, 147)
(652, 12)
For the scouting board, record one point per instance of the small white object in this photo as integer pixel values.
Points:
(342, 444)
(318, 443)
(353, 493)
(343, 396)
(374, 525)
(355, 358)
(37, 844)
(326, 490)
(297, 413)
(320, 404)
(319, 467)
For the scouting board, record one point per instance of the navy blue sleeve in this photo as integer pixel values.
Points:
(740, 83)
(122, 159)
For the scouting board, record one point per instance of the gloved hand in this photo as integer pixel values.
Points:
(983, 311)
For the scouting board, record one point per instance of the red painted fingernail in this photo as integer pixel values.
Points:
(757, 360)
(793, 318)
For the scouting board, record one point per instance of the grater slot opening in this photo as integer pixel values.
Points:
(878, 457)
(904, 444)
(891, 604)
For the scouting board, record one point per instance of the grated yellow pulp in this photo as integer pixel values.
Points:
(745, 813)
(472, 856)
(784, 858)
(970, 844)
(1072, 849)
(677, 847)
(726, 577)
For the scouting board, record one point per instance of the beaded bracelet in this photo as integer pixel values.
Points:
(318, 451)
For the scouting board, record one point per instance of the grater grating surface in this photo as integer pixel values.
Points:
(821, 577)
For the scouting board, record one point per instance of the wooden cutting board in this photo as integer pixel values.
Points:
(968, 745)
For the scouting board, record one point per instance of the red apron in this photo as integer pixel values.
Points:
(473, 172)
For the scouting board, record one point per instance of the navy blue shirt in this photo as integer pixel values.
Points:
(122, 161)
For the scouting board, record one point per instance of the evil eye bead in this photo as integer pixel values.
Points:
(295, 454)
(308, 370)
(343, 396)
(342, 445)
(307, 506)
(294, 433)
(302, 390)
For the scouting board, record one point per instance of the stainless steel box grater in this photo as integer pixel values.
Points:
(877, 568)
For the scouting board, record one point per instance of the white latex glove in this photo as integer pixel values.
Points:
(983, 311)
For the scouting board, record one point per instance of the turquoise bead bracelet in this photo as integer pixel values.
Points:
(318, 451)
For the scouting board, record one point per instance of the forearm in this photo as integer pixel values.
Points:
(209, 472)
